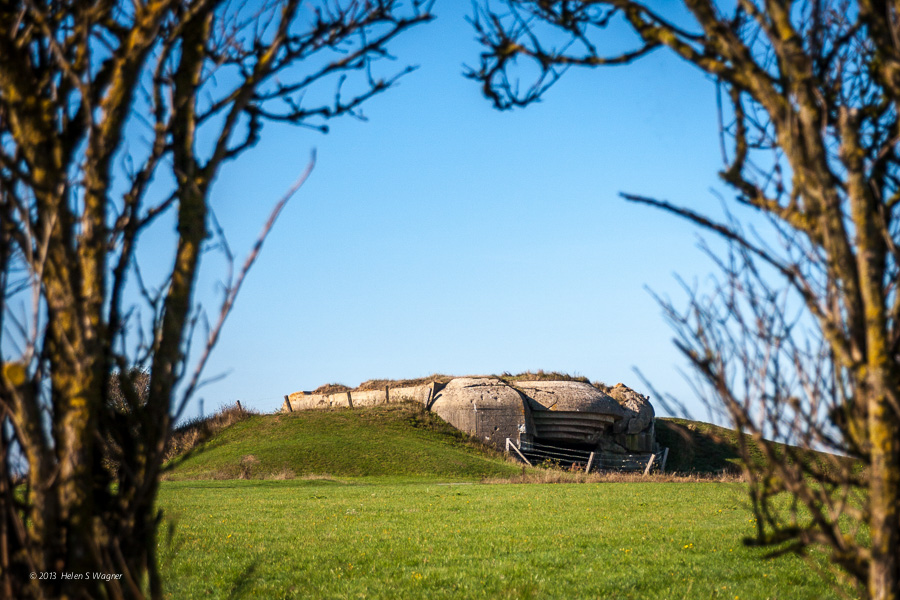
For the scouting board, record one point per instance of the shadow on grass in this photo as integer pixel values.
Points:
(240, 584)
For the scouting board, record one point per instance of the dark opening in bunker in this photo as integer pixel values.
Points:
(565, 436)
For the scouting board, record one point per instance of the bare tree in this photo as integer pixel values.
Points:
(114, 117)
(800, 338)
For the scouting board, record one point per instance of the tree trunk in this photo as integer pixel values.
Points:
(884, 489)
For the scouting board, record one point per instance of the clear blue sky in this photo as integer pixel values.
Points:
(442, 235)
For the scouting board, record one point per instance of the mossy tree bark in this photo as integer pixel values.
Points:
(809, 96)
(102, 105)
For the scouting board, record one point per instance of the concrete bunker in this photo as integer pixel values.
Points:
(569, 414)
(557, 413)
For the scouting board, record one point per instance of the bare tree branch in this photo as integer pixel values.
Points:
(102, 105)
(808, 101)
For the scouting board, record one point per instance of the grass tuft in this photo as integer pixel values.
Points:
(331, 388)
(380, 384)
(541, 375)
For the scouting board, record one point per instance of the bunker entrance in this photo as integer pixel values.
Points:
(565, 438)
(573, 429)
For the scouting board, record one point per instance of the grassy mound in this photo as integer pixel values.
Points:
(394, 440)
(698, 447)
(397, 440)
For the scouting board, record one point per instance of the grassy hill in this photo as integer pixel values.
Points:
(400, 440)
(394, 440)
(698, 447)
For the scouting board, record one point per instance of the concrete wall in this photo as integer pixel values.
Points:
(419, 393)
(302, 401)
(305, 400)
(482, 407)
(368, 398)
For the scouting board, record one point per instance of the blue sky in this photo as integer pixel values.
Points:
(442, 235)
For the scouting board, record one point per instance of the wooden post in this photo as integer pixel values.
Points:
(288, 402)
(239, 407)
(587, 469)
(662, 464)
(430, 399)
(649, 464)
(349, 400)
(522, 456)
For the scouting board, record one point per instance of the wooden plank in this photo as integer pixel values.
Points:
(288, 402)
(662, 464)
(522, 456)
(649, 464)
(587, 469)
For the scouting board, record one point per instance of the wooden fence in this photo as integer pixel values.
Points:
(533, 453)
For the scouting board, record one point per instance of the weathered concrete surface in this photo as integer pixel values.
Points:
(305, 400)
(368, 398)
(639, 411)
(493, 410)
(418, 393)
(570, 395)
(481, 406)
(637, 431)
(358, 398)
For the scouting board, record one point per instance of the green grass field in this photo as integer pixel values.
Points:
(402, 514)
(375, 539)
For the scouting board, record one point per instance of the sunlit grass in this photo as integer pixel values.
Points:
(399, 440)
(388, 539)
